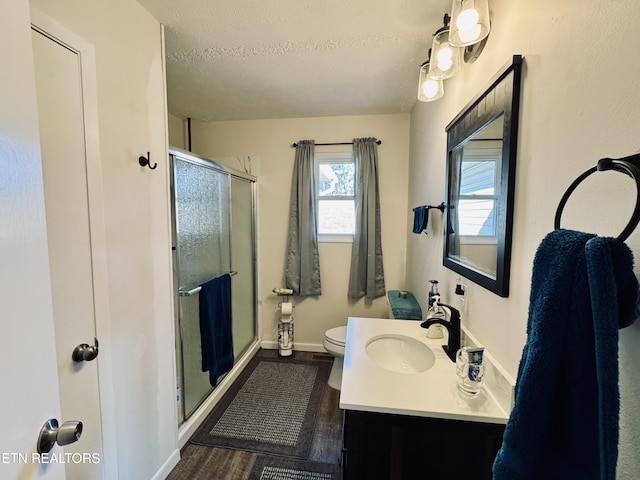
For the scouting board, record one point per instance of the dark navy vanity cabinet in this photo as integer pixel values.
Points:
(379, 446)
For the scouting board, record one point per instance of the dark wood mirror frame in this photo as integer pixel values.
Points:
(500, 99)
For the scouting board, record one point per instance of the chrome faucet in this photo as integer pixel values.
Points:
(452, 326)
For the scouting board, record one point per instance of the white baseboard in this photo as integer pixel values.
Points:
(166, 468)
(301, 347)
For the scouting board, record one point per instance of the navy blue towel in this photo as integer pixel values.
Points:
(565, 420)
(420, 219)
(216, 340)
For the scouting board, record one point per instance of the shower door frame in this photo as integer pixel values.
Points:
(189, 424)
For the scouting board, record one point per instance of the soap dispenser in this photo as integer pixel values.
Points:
(433, 292)
(435, 311)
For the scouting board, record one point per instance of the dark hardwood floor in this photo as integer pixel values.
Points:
(207, 463)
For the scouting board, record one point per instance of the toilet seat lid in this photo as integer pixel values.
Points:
(337, 335)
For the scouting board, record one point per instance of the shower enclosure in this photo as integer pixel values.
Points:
(213, 234)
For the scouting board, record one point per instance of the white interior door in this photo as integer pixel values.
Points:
(69, 227)
(28, 375)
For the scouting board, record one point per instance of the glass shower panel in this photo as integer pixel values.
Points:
(196, 384)
(203, 223)
(202, 197)
(242, 258)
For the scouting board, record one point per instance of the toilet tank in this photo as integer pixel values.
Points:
(403, 305)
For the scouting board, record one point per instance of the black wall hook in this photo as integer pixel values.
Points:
(146, 161)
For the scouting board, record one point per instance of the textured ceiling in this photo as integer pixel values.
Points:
(250, 59)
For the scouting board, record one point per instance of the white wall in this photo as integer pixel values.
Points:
(132, 121)
(268, 144)
(580, 103)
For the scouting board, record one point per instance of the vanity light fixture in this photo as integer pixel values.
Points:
(464, 39)
(469, 22)
(445, 58)
(429, 89)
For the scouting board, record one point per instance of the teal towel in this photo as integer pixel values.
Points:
(564, 424)
(404, 308)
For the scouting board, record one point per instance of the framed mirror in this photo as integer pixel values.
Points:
(481, 164)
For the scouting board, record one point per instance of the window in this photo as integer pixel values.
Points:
(479, 194)
(335, 174)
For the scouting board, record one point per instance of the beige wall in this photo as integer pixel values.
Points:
(579, 103)
(132, 121)
(177, 132)
(268, 144)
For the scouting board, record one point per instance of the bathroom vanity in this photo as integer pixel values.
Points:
(404, 416)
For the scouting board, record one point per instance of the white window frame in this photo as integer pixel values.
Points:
(333, 157)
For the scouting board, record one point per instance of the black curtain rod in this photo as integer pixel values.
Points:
(294, 145)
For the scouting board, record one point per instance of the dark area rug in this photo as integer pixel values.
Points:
(271, 408)
(278, 468)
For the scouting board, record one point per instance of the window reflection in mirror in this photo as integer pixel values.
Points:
(476, 179)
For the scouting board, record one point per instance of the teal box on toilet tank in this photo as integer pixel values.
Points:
(403, 305)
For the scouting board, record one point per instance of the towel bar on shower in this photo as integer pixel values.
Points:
(188, 293)
(629, 165)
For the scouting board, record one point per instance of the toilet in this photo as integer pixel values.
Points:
(334, 342)
(402, 305)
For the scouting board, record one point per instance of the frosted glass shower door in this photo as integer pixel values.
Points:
(203, 252)
(243, 261)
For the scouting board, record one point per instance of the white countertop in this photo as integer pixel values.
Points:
(433, 393)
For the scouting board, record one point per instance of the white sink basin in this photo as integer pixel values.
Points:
(399, 353)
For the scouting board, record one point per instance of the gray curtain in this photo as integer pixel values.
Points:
(302, 272)
(366, 278)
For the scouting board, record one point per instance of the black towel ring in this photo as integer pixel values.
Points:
(629, 165)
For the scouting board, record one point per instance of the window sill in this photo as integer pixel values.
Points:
(326, 238)
(478, 240)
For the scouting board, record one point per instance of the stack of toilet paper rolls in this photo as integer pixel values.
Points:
(285, 329)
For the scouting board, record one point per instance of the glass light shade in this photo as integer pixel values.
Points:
(469, 22)
(445, 58)
(429, 89)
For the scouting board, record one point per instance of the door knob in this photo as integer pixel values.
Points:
(85, 352)
(51, 433)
